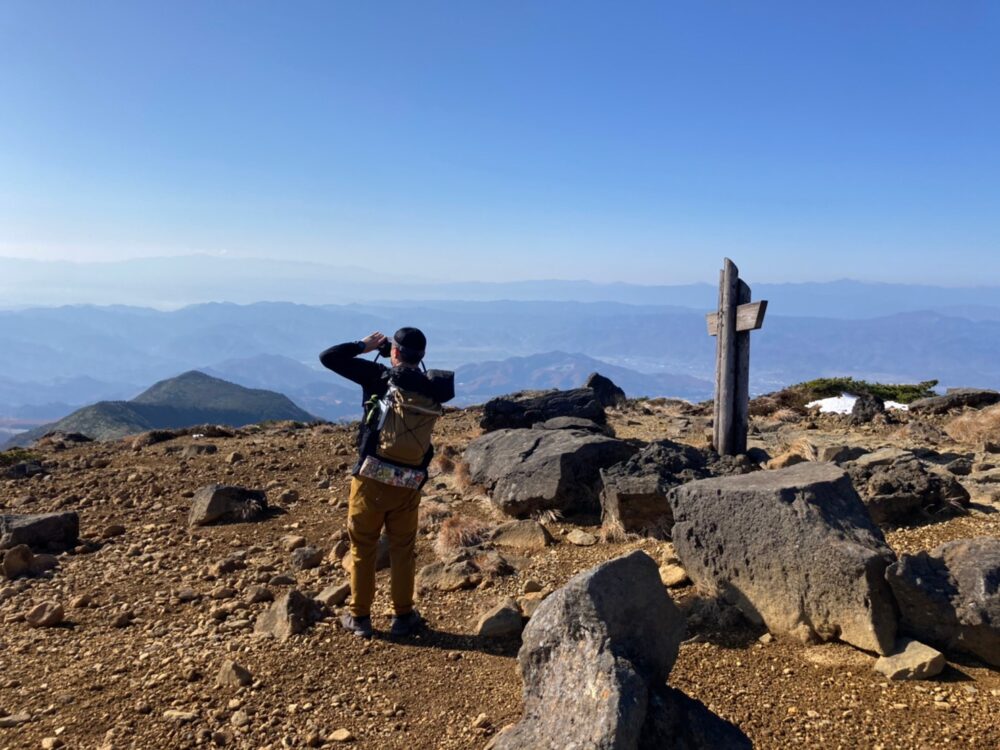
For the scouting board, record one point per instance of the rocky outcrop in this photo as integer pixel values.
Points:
(896, 486)
(526, 471)
(527, 408)
(219, 503)
(950, 596)
(634, 492)
(955, 398)
(607, 393)
(794, 549)
(56, 531)
(594, 659)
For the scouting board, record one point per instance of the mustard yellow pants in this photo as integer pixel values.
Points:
(372, 506)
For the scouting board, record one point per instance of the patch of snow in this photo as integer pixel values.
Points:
(841, 404)
(844, 403)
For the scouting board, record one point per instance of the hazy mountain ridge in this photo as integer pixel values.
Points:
(80, 354)
(186, 280)
(483, 380)
(189, 399)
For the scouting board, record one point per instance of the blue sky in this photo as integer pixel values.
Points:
(509, 140)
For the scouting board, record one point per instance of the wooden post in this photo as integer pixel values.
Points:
(731, 325)
(741, 403)
(725, 377)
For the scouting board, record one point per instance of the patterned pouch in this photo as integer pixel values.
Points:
(396, 476)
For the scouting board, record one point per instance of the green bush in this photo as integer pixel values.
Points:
(795, 397)
(16, 456)
(904, 393)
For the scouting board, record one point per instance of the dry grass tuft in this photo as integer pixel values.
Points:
(613, 532)
(975, 427)
(431, 514)
(442, 465)
(492, 565)
(458, 533)
(786, 415)
(463, 478)
(547, 516)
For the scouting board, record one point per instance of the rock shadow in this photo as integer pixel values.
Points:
(457, 642)
(712, 619)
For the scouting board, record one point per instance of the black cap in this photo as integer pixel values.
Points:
(411, 342)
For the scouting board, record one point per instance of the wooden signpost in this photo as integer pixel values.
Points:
(731, 325)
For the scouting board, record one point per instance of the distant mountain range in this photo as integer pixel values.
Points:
(481, 381)
(175, 282)
(189, 399)
(55, 360)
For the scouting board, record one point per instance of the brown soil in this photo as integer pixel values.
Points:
(96, 685)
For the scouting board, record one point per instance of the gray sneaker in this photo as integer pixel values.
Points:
(359, 626)
(404, 625)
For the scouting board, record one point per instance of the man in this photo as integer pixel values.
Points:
(385, 488)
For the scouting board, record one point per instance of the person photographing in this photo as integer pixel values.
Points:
(401, 404)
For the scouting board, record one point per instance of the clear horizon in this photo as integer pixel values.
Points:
(561, 141)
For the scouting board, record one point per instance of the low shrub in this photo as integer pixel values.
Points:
(13, 456)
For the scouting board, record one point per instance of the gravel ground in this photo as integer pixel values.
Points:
(152, 682)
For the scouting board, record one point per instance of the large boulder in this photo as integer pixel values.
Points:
(40, 531)
(794, 549)
(219, 503)
(594, 659)
(950, 596)
(526, 471)
(901, 487)
(608, 394)
(529, 407)
(634, 492)
(955, 398)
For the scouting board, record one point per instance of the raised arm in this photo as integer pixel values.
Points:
(342, 359)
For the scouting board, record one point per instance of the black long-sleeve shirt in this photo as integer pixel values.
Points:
(374, 378)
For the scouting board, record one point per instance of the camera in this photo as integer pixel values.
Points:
(385, 348)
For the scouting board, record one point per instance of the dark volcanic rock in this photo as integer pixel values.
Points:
(152, 437)
(950, 596)
(608, 394)
(594, 660)
(534, 470)
(574, 423)
(24, 470)
(955, 398)
(530, 407)
(896, 491)
(794, 549)
(865, 409)
(634, 494)
(224, 503)
(45, 530)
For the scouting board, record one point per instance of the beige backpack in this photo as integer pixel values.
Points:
(405, 426)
